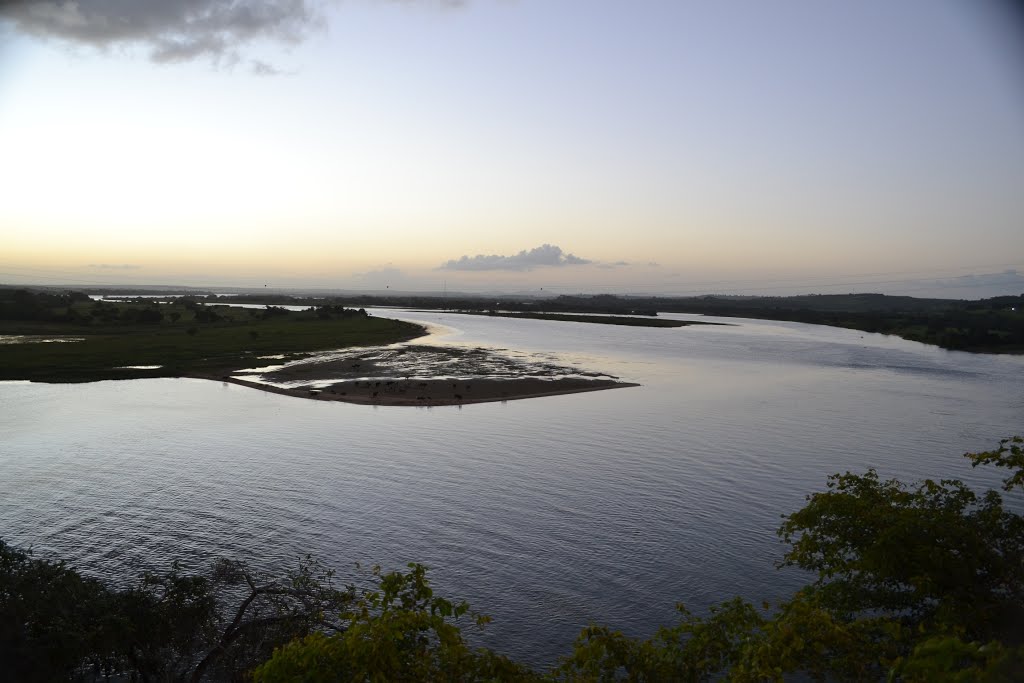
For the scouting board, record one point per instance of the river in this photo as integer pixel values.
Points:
(548, 513)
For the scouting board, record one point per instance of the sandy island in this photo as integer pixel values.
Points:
(438, 392)
(418, 375)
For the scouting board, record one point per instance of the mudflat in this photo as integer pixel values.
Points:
(421, 375)
(439, 391)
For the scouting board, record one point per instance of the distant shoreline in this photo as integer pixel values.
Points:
(327, 352)
(434, 391)
(597, 318)
(992, 325)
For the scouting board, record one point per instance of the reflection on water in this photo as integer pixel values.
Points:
(547, 513)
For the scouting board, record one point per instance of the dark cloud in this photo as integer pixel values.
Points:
(115, 266)
(546, 255)
(168, 30)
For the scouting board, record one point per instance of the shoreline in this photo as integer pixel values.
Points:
(434, 391)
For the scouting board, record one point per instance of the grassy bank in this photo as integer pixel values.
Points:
(183, 338)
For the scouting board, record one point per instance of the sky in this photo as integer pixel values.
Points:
(649, 146)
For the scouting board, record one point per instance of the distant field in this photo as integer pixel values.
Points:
(183, 338)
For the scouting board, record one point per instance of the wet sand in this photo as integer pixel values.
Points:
(415, 375)
(438, 391)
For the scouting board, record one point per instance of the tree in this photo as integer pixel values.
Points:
(56, 624)
(397, 632)
(52, 620)
(932, 555)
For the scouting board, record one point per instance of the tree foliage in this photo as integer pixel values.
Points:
(399, 631)
(933, 555)
(56, 624)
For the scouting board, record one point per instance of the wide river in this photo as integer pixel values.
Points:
(547, 513)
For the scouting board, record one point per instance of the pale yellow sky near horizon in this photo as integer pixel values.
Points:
(765, 143)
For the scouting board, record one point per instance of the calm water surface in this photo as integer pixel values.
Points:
(546, 513)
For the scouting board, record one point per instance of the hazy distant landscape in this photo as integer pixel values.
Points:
(993, 325)
(578, 342)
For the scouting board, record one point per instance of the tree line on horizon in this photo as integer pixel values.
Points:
(986, 325)
(994, 325)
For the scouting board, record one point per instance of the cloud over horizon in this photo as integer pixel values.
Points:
(546, 255)
(170, 30)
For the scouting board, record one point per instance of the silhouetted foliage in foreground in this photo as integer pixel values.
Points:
(56, 624)
(911, 582)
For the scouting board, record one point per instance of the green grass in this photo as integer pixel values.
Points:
(183, 347)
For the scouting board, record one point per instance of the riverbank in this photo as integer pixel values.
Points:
(993, 325)
(325, 353)
(131, 340)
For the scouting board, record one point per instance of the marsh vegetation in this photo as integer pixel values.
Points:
(176, 338)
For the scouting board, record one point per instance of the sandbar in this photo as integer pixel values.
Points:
(438, 391)
(418, 375)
